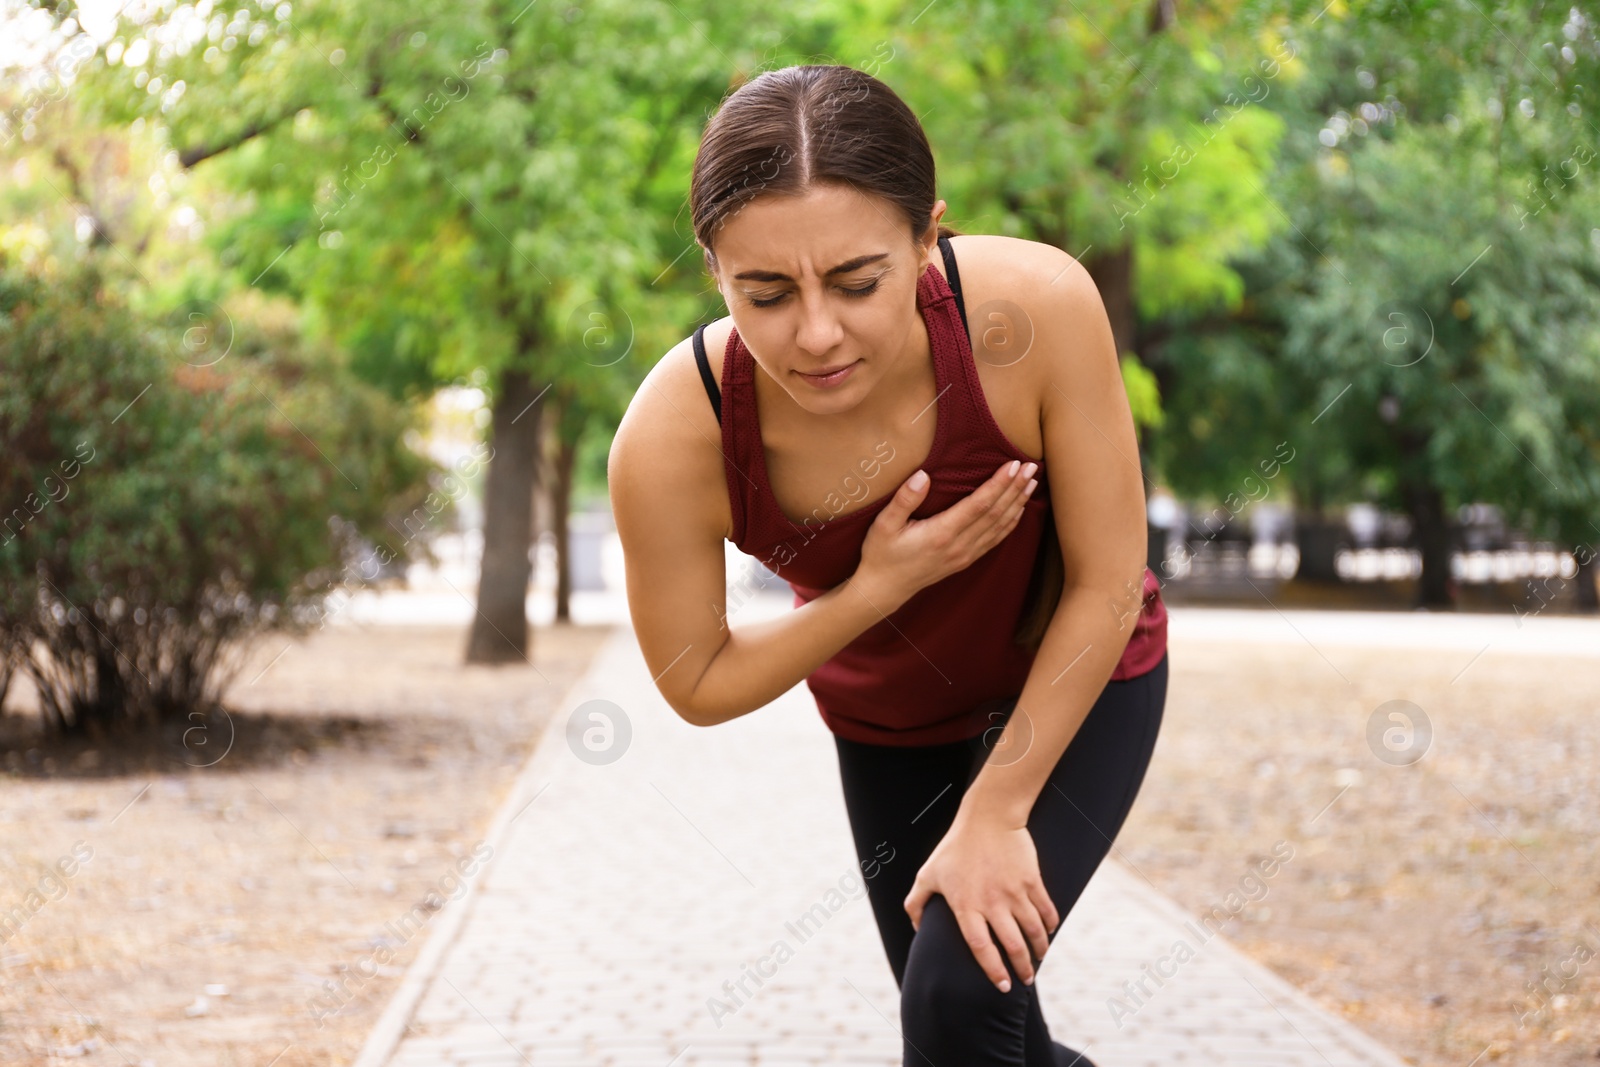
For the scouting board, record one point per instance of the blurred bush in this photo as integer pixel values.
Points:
(170, 490)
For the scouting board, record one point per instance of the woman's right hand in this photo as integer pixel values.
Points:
(902, 555)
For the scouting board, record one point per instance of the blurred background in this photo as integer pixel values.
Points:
(316, 320)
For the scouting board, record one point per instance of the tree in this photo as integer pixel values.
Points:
(453, 193)
(1468, 346)
(1434, 290)
(1132, 139)
(167, 511)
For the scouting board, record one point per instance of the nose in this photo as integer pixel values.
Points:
(818, 331)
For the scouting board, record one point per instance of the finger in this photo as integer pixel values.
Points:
(975, 931)
(1021, 506)
(993, 495)
(1033, 927)
(914, 903)
(976, 515)
(1011, 512)
(1015, 483)
(1005, 519)
(1014, 943)
(981, 519)
(905, 500)
(1047, 908)
(1009, 508)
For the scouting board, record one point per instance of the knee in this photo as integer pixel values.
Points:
(947, 999)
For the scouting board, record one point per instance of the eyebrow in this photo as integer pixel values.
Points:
(843, 268)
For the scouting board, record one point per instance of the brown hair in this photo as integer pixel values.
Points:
(789, 129)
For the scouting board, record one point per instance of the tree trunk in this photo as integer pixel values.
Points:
(565, 458)
(10, 663)
(1425, 504)
(1317, 539)
(1113, 275)
(108, 701)
(500, 625)
(1155, 555)
(1588, 595)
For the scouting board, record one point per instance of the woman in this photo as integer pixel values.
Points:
(989, 651)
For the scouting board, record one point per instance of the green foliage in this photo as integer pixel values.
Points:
(168, 492)
(1093, 132)
(1466, 334)
(1144, 395)
(452, 193)
(1426, 323)
(1306, 192)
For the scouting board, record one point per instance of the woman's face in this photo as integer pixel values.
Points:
(779, 261)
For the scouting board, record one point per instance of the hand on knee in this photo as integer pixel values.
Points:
(947, 1001)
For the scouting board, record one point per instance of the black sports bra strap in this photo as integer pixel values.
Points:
(954, 277)
(705, 370)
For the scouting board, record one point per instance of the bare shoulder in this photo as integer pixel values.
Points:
(669, 496)
(666, 454)
(1038, 327)
(1048, 284)
(672, 401)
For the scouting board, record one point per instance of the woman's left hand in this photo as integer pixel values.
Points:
(988, 872)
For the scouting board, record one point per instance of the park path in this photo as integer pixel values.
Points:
(622, 896)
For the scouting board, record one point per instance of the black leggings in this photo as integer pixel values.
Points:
(901, 801)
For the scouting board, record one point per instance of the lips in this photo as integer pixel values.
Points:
(831, 375)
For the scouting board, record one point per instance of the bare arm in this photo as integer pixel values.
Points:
(1098, 504)
(670, 499)
(987, 865)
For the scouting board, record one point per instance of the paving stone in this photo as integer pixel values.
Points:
(625, 895)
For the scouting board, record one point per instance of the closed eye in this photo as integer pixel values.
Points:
(861, 292)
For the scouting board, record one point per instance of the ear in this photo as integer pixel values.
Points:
(710, 261)
(930, 239)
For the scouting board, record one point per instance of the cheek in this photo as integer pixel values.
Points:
(771, 345)
(882, 324)
(764, 340)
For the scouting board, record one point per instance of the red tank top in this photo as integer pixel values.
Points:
(924, 674)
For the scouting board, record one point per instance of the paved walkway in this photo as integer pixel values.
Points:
(626, 902)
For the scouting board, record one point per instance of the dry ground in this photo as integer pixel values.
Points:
(1426, 903)
(1421, 901)
(364, 762)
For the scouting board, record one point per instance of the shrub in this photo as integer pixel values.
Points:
(162, 506)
